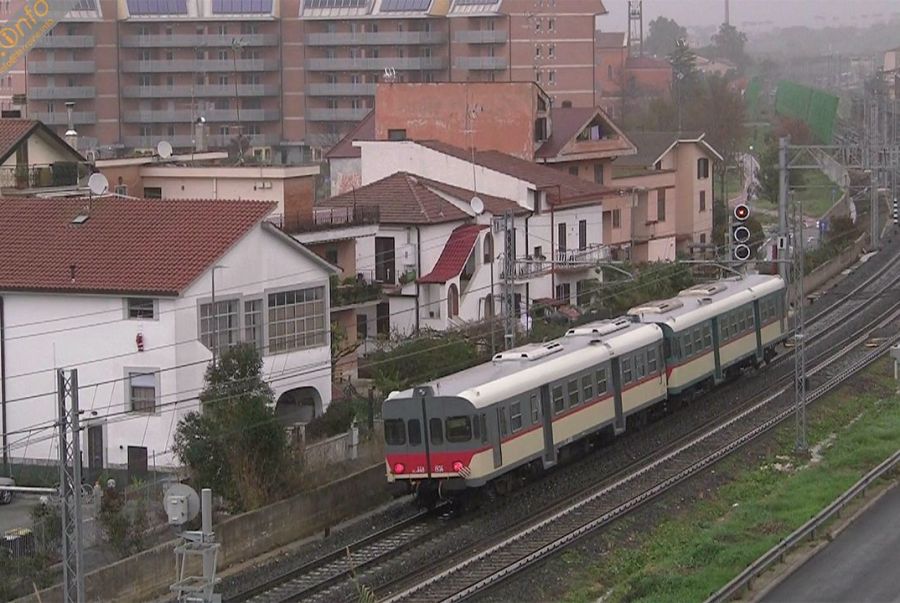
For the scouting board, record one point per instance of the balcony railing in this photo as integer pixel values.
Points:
(61, 173)
(198, 65)
(62, 92)
(475, 36)
(341, 89)
(194, 41)
(213, 115)
(376, 38)
(563, 259)
(354, 290)
(337, 114)
(398, 63)
(186, 140)
(62, 67)
(61, 119)
(209, 90)
(482, 63)
(63, 41)
(330, 218)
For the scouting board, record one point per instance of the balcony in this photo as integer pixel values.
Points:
(61, 119)
(564, 260)
(186, 140)
(209, 90)
(374, 38)
(475, 36)
(379, 64)
(354, 291)
(353, 115)
(51, 67)
(482, 63)
(213, 115)
(194, 41)
(341, 89)
(63, 41)
(62, 93)
(62, 173)
(328, 218)
(198, 65)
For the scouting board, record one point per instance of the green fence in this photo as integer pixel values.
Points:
(817, 109)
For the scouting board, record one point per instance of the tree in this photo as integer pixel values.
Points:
(729, 44)
(663, 35)
(235, 445)
(721, 114)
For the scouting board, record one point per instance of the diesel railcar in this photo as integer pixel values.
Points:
(496, 422)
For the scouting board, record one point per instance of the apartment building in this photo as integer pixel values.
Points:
(288, 75)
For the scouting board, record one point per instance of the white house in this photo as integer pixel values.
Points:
(123, 290)
(444, 257)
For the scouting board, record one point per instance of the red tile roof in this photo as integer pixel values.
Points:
(495, 205)
(364, 130)
(568, 122)
(456, 252)
(572, 189)
(141, 246)
(14, 131)
(401, 199)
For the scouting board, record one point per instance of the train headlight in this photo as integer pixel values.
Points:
(399, 468)
(458, 466)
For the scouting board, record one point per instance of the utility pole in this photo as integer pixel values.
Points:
(509, 268)
(783, 180)
(70, 487)
(799, 337)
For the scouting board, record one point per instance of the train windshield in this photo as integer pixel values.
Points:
(459, 429)
(394, 432)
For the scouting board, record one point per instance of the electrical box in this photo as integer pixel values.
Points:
(177, 509)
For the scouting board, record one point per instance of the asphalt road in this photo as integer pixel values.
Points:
(861, 565)
(17, 514)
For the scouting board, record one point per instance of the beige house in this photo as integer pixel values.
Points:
(33, 157)
(665, 203)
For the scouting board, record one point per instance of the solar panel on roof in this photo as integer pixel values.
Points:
(335, 3)
(472, 2)
(404, 5)
(220, 7)
(157, 7)
(85, 5)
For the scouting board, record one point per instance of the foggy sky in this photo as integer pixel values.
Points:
(756, 15)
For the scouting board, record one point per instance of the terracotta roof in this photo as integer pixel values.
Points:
(143, 246)
(456, 252)
(364, 130)
(568, 122)
(495, 205)
(610, 39)
(572, 189)
(652, 145)
(401, 199)
(14, 131)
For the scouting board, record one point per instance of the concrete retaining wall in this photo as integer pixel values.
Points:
(833, 267)
(243, 537)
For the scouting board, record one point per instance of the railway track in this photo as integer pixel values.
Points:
(326, 578)
(553, 531)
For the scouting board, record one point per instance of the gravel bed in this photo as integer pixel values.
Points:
(499, 516)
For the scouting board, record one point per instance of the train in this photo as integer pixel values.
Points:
(489, 427)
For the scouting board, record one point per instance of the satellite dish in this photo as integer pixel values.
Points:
(477, 205)
(98, 184)
(164, 149)
(182, 504)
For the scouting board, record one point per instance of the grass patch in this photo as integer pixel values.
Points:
(818, 193)
(688, 557)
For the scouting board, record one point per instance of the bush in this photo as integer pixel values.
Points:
(124, 524)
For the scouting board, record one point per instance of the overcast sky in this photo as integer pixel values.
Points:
(755, 15)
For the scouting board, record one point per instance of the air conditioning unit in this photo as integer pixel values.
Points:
(262, 153)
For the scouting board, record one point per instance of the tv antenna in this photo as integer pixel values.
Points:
(164, 149)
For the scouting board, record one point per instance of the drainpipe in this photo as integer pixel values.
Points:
(418, 270)
(527, 247)
(3, 388)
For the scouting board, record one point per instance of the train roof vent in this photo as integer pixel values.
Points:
(705, 300)
(706, 290)
(529, 352)
(657, 307)
(603, 327)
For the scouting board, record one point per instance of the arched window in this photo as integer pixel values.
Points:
(452, 301)
(488, 248)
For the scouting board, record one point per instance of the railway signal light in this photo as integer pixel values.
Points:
(895, 211)
(740, 234)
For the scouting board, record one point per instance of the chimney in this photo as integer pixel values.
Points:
(71, 134)
(200, 135)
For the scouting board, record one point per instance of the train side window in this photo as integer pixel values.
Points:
(515, 416)
(734, 324)
(484, 433)
(688, 345)
(601, 381)
(394, 432)
(574, 394)
(415, 432)
(476, 427)
(698, 339)
(651, 361)
(742, 321)
(535, 409)
(626, 370)
(559, 403)
(459, 429)
(587, 385)
(707, 336)
(436, 429)
(639, 368)
(751, 319)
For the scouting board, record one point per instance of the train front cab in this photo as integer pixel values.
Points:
(435, 446)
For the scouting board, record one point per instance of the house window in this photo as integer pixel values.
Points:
(564, 293)
(362, 326)
(551, 23)
(141, 391)
(582, 234)
(383, 318)
(253, 323)
(661, 205)
(617, 218)
(551, 77)
(609, 73)
(488, 248)
(296, 319)
(331, 255)
(152, 192)
(551, 51)
(702, 168)
(598, 173)
(537, 52)
(220, 329)
(573, 171)
(702, 238)
(140, 308)
(396, 134)
(702, 200)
